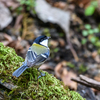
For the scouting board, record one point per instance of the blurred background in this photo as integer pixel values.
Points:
(74, 28)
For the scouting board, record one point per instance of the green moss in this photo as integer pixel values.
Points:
(45, 88)
(75, 96)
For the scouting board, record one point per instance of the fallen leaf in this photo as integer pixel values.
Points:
(47, 13)
(61, 5)
(61, 42)
(11, 3)
(62, 73)
(7, 37)
(46, 67)
(5, 42)
(97, 59)
(5, 16)
(2, 36)
(53, 43)
(94, 54)
(18, 21)
(66, 78)
(81, 3)
(20, 46)
(76, 19)
(97, 77)
(58, 70)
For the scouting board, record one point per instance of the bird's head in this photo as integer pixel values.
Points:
(42, 40)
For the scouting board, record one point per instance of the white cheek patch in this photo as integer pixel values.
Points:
(44, 42)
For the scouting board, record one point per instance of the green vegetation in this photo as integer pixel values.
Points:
(82, 68)
(91, 8)
(45, 88)
(89, 36)
(90, 32)
(69, 64)
(29, 3)
(46, 32)
(56, 50)
(26, 4)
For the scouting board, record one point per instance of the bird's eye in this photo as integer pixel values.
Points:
(41, 40)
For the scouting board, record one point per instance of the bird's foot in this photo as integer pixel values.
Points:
(42, 74)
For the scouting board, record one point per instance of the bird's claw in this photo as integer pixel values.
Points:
(42, 74)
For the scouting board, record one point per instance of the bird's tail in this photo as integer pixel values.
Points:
(20, 70)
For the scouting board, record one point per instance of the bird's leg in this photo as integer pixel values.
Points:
(42, 74)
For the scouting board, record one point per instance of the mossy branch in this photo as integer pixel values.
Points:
(28, 87)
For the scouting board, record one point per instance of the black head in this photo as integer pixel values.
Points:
(39, 39)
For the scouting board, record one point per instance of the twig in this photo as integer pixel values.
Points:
(87, 82)
(71, 47)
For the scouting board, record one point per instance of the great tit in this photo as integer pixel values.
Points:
(36, 55)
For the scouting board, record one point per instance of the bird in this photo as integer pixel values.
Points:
(36, 55)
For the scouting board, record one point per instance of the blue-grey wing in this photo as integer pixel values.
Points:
(33, 59)
(31, 55)
(40, 59)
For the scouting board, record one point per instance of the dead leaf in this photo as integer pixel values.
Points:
(7, 37)
(5, 16)
(47, 13)
(71, 7)
(20, 46)
(61, 42)
(60, 4)
(66, 78)
(53, 43)
(97, 77)
(5, 42)
(97, 59)
(76, 19)
(2, 36)
(87, 53)
(62, 73)
(58, 70)
(46, 67)
(81, 3)
(94, 54)
(18, 21)
(11, 3)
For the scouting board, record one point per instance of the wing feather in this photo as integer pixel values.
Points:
(31, 55)
(33, 59)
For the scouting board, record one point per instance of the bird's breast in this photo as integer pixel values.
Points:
(39, 49)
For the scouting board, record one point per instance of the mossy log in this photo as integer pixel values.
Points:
(28, 87)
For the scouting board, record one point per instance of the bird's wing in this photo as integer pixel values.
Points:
(40, 59)
(33, 59)
(31, 55)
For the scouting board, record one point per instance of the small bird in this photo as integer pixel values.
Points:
(36, 55)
